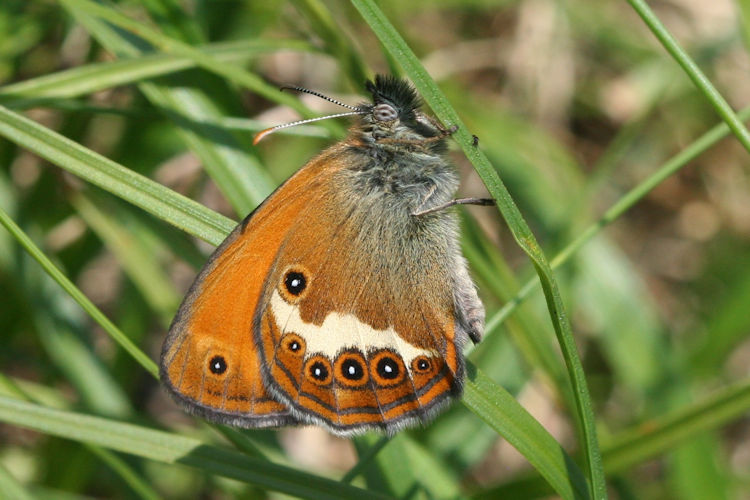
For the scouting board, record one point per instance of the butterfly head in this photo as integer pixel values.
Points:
(393, 99)
(394, 114)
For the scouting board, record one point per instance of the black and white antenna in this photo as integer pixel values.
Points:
(355, 110)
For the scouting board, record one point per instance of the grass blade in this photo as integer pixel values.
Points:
(90, 78)
(11, 488)
(693, 71)
(170, 448)
(502, 412)
(178, 210)
(624, 204)
(521, 232)
(169, 45)
(660, 435)
(77, 295)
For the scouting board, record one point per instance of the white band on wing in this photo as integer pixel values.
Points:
(342, 331)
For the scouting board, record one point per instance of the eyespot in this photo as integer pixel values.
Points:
(387, 368)
(351, 369)
(294, 284)
(421, 364)
(293, 344)
(217, 365)
(318, 370)
(384, 113)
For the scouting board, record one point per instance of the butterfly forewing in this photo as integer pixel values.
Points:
(209, 360)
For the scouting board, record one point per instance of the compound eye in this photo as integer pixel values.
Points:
(384, 113)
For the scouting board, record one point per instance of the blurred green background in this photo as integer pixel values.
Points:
(574, 102)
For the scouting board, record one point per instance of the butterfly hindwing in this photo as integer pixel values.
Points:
(350, 336)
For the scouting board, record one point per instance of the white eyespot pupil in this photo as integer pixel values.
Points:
(352, 370)
(317, 372)
(388, 369)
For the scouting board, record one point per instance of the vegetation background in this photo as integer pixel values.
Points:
(586, 117)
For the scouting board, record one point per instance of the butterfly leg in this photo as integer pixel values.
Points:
(460, 201)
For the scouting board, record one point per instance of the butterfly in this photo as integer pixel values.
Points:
(343, 300)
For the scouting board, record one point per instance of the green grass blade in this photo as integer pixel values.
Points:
(521, 232)
(11, 488)
(169, 45)
(652, 437)
(391, 471)
(178, 210)
(365, 459)
(502, 412)
(90, 78)
(659, 435)
(95, 387)
(139, 486)
(176, 20)
(118, 465)
(693, 71)
(330, 32)
(170, 448)
(193, 108)
(700, 454)
(140, 264)
(625, 203)
(77, 295)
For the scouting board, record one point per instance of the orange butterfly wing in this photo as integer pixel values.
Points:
(209, 362)
(311, 312)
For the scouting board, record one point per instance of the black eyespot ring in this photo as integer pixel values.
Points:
(387, 368)
(291, 344)
(217, 365)
(384, 113)
(421, 364)
(319, 371)
(295, 282)
(352, 369)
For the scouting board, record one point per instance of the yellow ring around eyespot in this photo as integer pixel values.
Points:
(287, 281)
